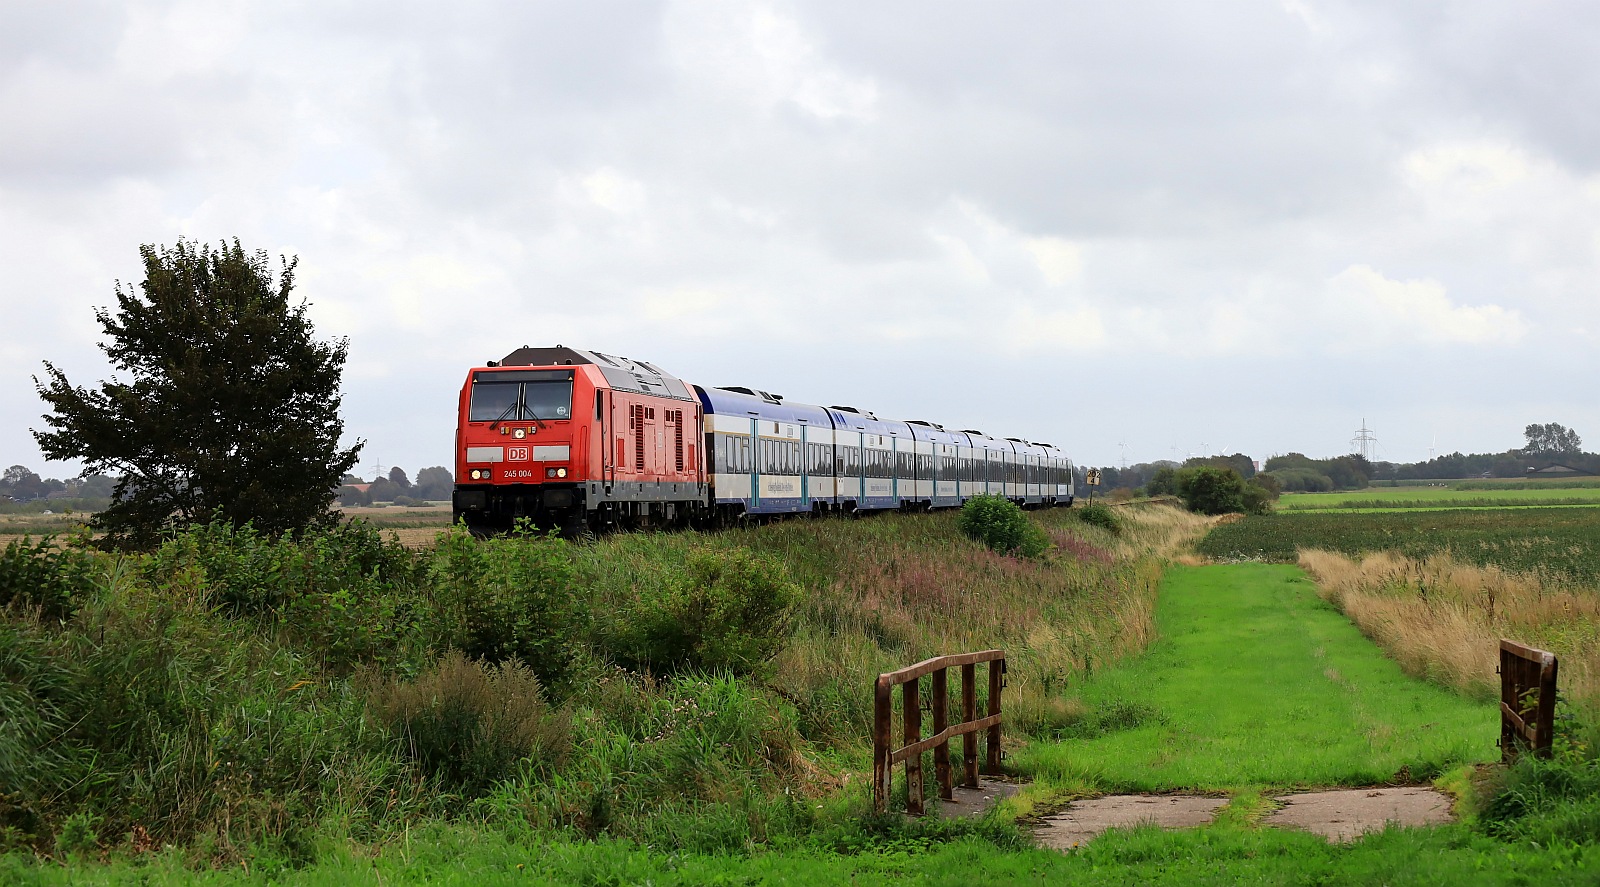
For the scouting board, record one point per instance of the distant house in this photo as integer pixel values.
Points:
(1556, 469)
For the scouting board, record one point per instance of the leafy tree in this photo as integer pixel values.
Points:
(383, 490)
(435, 483)
(1238, 462)
(231, 409)
(1163, 483)
(1211, 490)
(1550, 441)
(93, 486)
(397, 476)
(20, 483)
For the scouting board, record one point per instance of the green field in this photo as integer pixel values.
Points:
(1478, 496)
(1544, 540)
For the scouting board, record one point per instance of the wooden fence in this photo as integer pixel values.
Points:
(884, 756)
(1527, 699)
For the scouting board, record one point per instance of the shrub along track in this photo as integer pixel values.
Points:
(1256, 685)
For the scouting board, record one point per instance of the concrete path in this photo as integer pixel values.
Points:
(1342, 815)
(1347, 814)
(1084, 820)
(976, 801)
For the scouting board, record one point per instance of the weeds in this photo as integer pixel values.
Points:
(470, 724)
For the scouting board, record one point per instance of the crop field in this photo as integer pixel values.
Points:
(1475, 496)
(1550, 541)
(1495, 483)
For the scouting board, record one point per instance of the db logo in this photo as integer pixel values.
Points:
(517, 454)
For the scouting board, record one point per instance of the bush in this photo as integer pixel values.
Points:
(37, 575)
(998, 523)
(723, 610)
(507, 597)
(336, 590)
(1102, 516)
(469, 724)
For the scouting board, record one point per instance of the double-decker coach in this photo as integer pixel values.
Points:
(767, 456)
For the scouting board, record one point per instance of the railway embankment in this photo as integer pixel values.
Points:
(244, 699)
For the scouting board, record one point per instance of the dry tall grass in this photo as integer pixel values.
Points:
(1442, 619)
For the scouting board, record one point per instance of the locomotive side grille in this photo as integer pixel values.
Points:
(638, 437)
(676, 418)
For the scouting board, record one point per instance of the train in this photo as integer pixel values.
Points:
(579, 441)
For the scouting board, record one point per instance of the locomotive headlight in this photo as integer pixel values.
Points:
(479, 474)
(520, 433)
(549, 472)
(561, 472)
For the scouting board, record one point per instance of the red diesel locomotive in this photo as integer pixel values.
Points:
(572, 438)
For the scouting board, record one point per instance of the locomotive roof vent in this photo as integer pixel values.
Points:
(973, 431)
(845, 409)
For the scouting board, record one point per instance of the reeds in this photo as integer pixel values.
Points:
(1442, 619)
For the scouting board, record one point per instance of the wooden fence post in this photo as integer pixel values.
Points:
(969, 712)
(911, 702)
(997, 669)
(941, 720)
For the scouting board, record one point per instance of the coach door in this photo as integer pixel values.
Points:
(608, 437)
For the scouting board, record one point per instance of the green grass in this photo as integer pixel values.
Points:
(1440, 497)
(1256, 681)
(1220, 856)
(1544, 540)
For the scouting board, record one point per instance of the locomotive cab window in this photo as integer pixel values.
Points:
(520, 396)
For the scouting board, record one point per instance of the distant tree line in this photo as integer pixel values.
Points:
(21, 484)
(1546, 445)
(433, 485)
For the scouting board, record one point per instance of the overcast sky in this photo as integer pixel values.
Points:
(1129, 229)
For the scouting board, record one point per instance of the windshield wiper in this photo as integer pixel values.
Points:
(503, 414)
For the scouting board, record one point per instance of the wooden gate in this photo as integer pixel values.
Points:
(884, 756)
(1527, 699)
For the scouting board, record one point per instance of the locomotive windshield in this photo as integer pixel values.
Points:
(520, 396)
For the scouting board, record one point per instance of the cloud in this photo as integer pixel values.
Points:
(834, 198)
(1372, 309)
